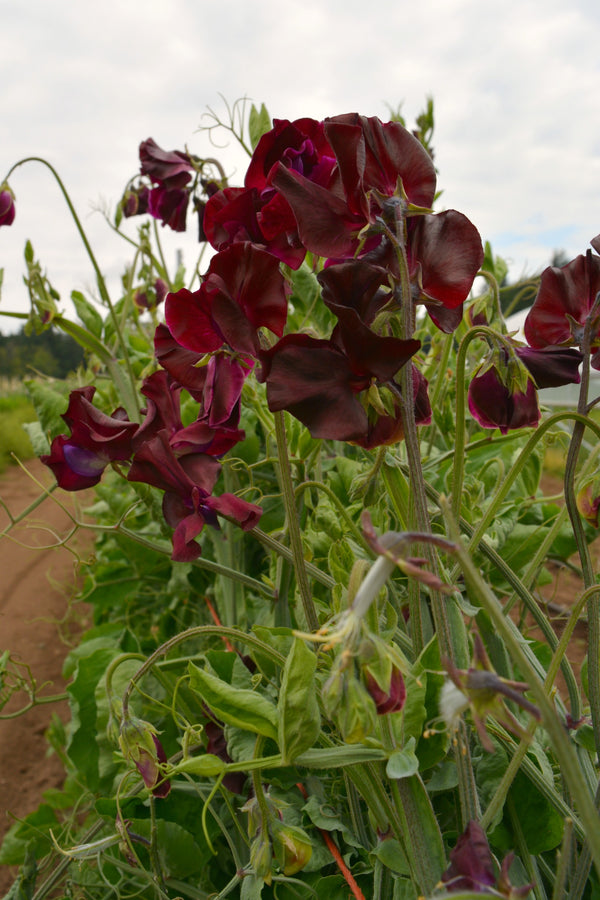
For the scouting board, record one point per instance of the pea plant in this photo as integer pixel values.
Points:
(318, 664)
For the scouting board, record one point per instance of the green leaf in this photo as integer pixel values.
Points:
(299, 717)
(246, 709)
(88, 314)
(391, 854)
(33, 832)
(49, 406)
(179, 853)
(259, 122)
(83, 748)
(403, 763)
(39, 441)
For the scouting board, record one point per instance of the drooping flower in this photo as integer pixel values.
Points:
(566, 299)
(321, 381)
(96, 440)
(503, 390)
(171, 169)
(188, 481)
(170, 173)
(7, 205)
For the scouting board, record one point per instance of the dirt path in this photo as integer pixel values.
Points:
(36, 586)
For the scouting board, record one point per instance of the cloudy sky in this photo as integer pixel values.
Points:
(516, 86)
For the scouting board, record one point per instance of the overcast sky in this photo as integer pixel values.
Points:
(516, 86)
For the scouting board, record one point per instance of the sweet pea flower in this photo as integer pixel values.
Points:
(170, 173)
(566, 300)
(7, 206)
(78, 461)
(242, 291)
(188, 481)
(503, 390)
(258, 212)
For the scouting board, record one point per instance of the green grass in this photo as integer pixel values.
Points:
(15, 409)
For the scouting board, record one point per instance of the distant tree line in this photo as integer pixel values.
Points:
(52, 353)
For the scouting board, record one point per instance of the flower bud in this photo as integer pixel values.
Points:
(140, 745)
(588, 501)
(261, 857)
(7, 206)
(347, 701)
(292, 846)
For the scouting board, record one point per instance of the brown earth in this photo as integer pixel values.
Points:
(38, 581)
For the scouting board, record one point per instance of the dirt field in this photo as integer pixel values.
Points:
(35, 622)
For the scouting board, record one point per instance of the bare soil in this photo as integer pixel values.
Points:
(38, 581)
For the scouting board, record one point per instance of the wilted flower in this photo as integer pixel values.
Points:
(482, 691)
(7, 205)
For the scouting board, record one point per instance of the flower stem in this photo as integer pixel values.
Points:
(293, 524)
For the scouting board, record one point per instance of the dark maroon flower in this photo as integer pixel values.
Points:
(242, 291)
(320, 382)
(152, 297)
(96, 440)
(170, 206)
(188, 482)
(444, 253)
(236, 215)
(565, 300)
(7, 206)
(258, 212)
(503, 395)
(135, 201)
(171, 169)
(393, 698)
(471, 865)
(372, 158)
(551, 366)
(300, 145)
(213, 432)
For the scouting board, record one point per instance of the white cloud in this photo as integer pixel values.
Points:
(515, 86)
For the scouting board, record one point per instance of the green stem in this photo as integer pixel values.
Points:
(565, 753)
(293, 524)
(130, 399)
